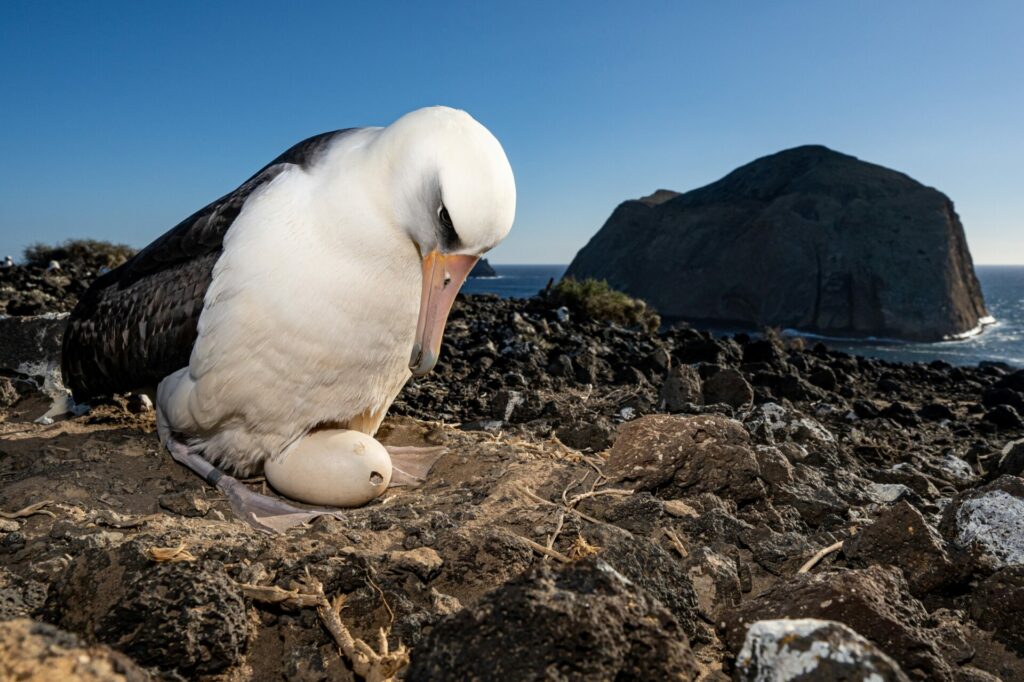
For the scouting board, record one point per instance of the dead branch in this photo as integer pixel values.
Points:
(813, 561)
(554, 554)
(170, 554)
(371, 665)
(36, 508)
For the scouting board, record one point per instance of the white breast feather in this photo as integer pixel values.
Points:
(310, 318)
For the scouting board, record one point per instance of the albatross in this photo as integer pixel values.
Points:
(278, 324)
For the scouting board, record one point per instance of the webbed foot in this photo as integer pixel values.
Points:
(264, 513)
(410, 464)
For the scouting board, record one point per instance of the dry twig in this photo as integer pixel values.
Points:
(36, 508)
(594, 493)
(537, 498)
(553, 553)
(676, 543)
(371, 665)
(170, 554)
(813, 561)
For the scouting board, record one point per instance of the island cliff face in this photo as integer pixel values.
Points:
(482, 269)
(807, 238)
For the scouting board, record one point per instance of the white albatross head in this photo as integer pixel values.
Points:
(455, 197)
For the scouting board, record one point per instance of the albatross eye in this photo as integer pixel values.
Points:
(446, 219)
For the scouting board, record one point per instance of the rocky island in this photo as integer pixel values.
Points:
(482, 269)
(618, 500)
(808, 239)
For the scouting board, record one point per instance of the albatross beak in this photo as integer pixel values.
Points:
(443, 275)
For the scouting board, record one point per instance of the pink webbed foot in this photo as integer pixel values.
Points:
(262, 512)
(410, 464)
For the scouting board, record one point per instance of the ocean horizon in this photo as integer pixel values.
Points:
(999, 341)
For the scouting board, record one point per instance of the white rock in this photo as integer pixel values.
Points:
(811, 649)
(888, 492)
(995, 521)
(955, 466)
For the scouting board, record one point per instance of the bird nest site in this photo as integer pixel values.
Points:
(611, 501)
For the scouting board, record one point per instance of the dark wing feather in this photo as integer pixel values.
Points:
(137, 323)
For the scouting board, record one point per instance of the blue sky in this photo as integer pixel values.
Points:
(118, 119)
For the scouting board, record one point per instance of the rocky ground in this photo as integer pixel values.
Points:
(612, 504)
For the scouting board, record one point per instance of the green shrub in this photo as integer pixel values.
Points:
(595, 299)
(89, 253)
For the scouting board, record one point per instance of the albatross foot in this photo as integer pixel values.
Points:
(410, 464)
(264, 513)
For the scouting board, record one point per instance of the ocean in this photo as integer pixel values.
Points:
(1003, 341)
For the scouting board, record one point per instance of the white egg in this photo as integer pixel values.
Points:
(333, 467)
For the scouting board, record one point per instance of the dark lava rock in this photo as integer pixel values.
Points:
(728, 387)
(19, 597)
(184, 503)
(998, 605)
(824, 378)
(888, 254)
(996, 396)
(794, 388)
(716, 581)
(901, 537)
(653, 570)
(1014, 381)
(936, 412)
(1004, 417)
(681, 389)
(809, 650)
(187, 617)
(582, 623)
(179, 616)
(1011, 459)
(985, 526)
(901, 413)
(673, 456)
(872, 601)
(587, 435)
(764, 350)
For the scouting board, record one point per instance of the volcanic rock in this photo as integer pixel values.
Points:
(1004, 417)
(901, 537)
(811, 649)
(728, 387)
(998, 604)
(681, 389)
(678, 455)
(482, 269)
(29, 346)
(30, 650)
(180, 616)
(872, 601)
(585, 622)
(986, 525)
(806, 238)
(1011, 460)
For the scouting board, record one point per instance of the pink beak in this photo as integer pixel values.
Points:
(443, 276)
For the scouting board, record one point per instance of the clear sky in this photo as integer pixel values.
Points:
(118, 119)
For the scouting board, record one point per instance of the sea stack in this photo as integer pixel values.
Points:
(809, 239)
(482, 269)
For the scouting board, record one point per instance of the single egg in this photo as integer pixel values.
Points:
(333, 467)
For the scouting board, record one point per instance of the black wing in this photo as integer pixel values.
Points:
(137, 323)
